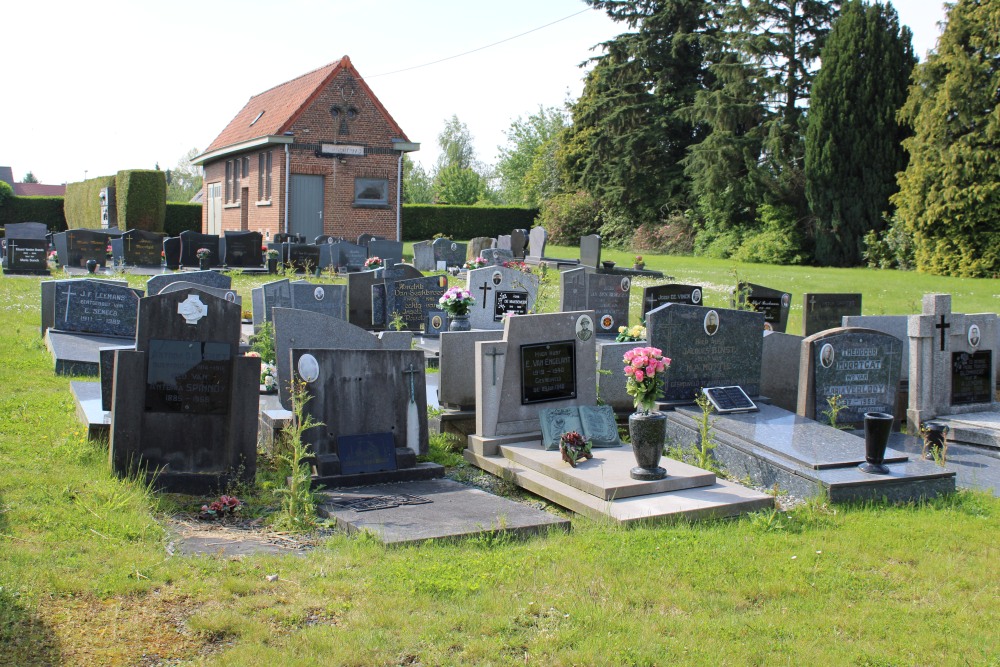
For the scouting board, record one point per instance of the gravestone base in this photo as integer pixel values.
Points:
(87, 397)
(633, 273)
(80, 354)
(979, 429)
(421, 471)
(26, 272)
(461, 423)
(806, 458)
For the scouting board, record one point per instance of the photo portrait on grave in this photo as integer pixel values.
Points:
(584, 328)
(711, 322)
(308, 368)
(785, 300)
(696, 296)
(974, 336)
(607, 322)
(826, 356)
(319, 294)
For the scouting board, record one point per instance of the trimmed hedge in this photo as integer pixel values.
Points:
(181, 217)
(423, 221)
(35, 209)
(142, 199)
(83, 204)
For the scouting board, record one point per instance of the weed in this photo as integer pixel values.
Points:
(262, 343)
(397, 322)
(836, 405)
(298, 503)
(702, 449)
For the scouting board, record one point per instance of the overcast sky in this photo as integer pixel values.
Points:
(92, 88)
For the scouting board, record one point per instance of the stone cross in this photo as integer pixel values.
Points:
(411, 371)
(494, 353)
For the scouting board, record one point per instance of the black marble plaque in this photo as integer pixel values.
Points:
(656, 295)
(970, 377)
(368, 452)
(141, 248)
(188, 376)
(90, 306)
(244, 249)
(27, 256)
(548, 372)
(515, 301)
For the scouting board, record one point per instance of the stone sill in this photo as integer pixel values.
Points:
(375, 206)
(264, 203)
(233, 205)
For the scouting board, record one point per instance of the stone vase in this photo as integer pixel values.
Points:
(648, 431)
(878, 425)
(272, 265)
(204, 263)
(459, 323)
(92, 266)
(934, 440)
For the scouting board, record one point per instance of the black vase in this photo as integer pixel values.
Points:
(878, 425)
(204, 263)
(272, 265)
(92, 265)
(934, 440)
(648, 431)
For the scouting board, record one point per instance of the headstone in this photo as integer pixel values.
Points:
(518, 242)
(477, 245)
(207, 278)
(573, 290)
(78, 246)
(172, 252)
(191, 242)
(48, 300)
(450, 252)
(655, 296)
(91, 306)
(184, 405)
(497, 256)
(412, 299)
(861, 366)
(423, 256)
(894, 325)
(277, 294)
(359, 298)
(229, 295)
(325, 299)
(456, 385)
(608, 297)
(26, 248)
(590, 250)
(281, 238)
(436, 323)
(708, 347)
(536, 242)
(503, 242)
(326, 239)
(141, 248)
(391, 252)
(780, 357)
(244, 249)
(348, 255)
(499, 290)
(821, 311)
(772, 303)
(365, 239)
(300, 256)
(610, 378)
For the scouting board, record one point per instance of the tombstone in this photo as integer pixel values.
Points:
(821, 311)
(78, 246)
(861, 366)
(456, 385)
(610, 378)
(172, 253)
(655, 296)
(378, 317)
(391, 252)
(590, 250)
(423, 256)
(477, 245)
(365, 239)
(450, 252)
(608, 297)
(435, 324)
(325, 299)
(326, 239)
(27, 249)
(708, 347)
(300, 256)
(244, 249)
(140, 248)
(780, 357)
(207, 278)
(48, 299)
(229, 295)
(503, 242)
(499, 290)
(518, 242)
(191, 242)
(348, 255)
(772, 303)
(276, 294)
(184, 405)
(412, 299)
(281, 238)
(894, 325)
(359, 298)
(537, 238)
(95, 307)
(573, 289)
(496, 256)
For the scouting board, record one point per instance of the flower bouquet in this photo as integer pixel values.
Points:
(632, 334)
(644, 370)
(476, 263)
(202, 253)
(638, 263)
(268, 376)
(520, 266)
(574, 447)
(456, 301)
(220, 508)
(373, 263)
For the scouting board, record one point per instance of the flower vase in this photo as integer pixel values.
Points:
(272, 265)
(204, 263)
(91, 266)
(648, 431)
(459, 323)
(878, 425)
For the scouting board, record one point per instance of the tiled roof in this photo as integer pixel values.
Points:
(279, 107)
(39, 190)
(7, 175)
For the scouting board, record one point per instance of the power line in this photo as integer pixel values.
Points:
(481, 48)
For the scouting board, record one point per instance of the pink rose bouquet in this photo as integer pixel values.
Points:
(644, 371)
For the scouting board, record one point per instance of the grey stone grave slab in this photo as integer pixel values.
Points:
(78, 246)
(257, 307)
(184, 404)
(141, 248)
(423, 256)
(229, 295)
(207, 278)
(477, 245)
(779, 378)
(655, 296)
(859, 365)
(244, 249)
(497, 256)
(399, 271)
(518, 242)
(590, 250)
(191, 242)
(352, 256)
(325, 299)
(48, 299)
(359, 298)
(573, 289)
(708, 347)
(90, 306)
(79, 353)
(611, 378)
(412, 299)
(457, 389)
(450, 252)
(503, 242)
(499, 290)
(773, 303)
(537, 238)
(608, 297)
(894, 325)
(277, 294)
(391, 252)
(172, 253)
(454, 510)
(822, 310)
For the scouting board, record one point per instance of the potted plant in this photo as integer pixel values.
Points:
(457, 301)
(373, 263)
(204, 256)
(574, 448)
(272, 261)
(638, 264)
(644, 371)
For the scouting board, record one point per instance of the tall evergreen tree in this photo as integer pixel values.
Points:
(853, 142)
(949, 196)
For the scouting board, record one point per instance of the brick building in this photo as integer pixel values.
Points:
(316, 155)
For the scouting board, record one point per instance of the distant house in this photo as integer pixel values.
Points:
(31, 189)
(316, 155)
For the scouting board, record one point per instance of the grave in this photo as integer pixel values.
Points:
(499, 290)
(604, 293)
(191, 242)
(48, 299)
(88, 315)
(411, 299)
(325, 299)
(518, 242)
(391, 252)
(780, 356)
(26, 248)
(590, 251)
(772, 303)
(76, 247)
(275, 294)
(244, 249)
(348, 256)
(300, 256)
(207, 278)
(610, 378)
(503, 241)
(655, 296)
(537, 239)
(229, 295)
(423, 256)
(456, 385)
(184, 404)
(139, 248)
(497, 256)
(172, 253)
(821, 311)
(365, 239)
(359, 298)
(478, 245)
(449, 252)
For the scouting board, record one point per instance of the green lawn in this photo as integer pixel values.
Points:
(85, 578)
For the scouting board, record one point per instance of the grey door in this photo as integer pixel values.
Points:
(306, 207)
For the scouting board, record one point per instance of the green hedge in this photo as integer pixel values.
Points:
(35, 209)
(423, 221)
(83, 204)
(181, 217)
(142, 199)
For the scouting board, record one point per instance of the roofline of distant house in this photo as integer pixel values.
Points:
(242, 146)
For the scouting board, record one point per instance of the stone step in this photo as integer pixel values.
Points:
(981, 429)
(718, 500)
(606, 476)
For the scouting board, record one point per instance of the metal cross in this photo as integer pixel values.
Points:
(494, 353)
(412, 372)
(485, 288)
(812, 303)
(942, 326)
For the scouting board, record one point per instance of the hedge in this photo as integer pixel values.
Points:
(181, 217)
(35, 209)
(141, 195)
(422, 221)
(83, 204)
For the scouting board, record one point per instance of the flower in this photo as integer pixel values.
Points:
(456, 301)
(220, 508)
(273, 254)
(627, 335)
(373, 263)
(203, 253)
(574, 447)
(476, 263)
(520, 266)
(644, 370)
(268, 376)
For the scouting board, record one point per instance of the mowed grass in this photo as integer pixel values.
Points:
(85, 578)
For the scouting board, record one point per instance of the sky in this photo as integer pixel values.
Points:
(93, 88)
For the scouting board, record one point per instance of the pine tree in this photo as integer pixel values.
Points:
(949, 196)
(853, 143)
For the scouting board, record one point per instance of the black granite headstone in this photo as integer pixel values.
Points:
(548, 372)
(970, 377)
(412, 299)
(172, 252)
(822, 311)
(772, 303)
(608, 297)
(90, 306)
(301, 256)
(244, 249)
(78, 246)
(450, 252)
(656, 295)
(191, 242)
(391, 252)
(141, 248)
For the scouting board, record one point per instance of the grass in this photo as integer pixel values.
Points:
(85, 578)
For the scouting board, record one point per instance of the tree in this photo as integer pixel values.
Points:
(456, 144)
(853, 142)
(418, 186)
(949, 194)
(185, 180)
(29, 178)
(527, 162)
(458, 185)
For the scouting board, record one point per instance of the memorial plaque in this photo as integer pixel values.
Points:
(514, 302)
(548, 372)
(970, 377)
(822, 311)
(729, 399)
(244, 249)
(191, 242)
(656, 295)
(188, 376)
(557, 421)
(499, 290)
(412, 299)
(302, 257)
(78, 246)
(772, 303)
(27, 256)
(141, 248)
(436, 323)
(368, 452)
(90, 306)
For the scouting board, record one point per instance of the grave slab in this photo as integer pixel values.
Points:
(79, 354)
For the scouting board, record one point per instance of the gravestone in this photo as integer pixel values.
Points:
(184, 404)
(48, 299)
(573, 290)
(301, 256)
(391, 252)
(655, 296)
(348, 255)
(325, 299)
(477, 245)
(448, 251)
(821, 311)
(590, 250)
(708, 347)
(365, 239)
(456, 385)
(281, 238)
(497, 256)
(411, 299)
(423, 256)
(518, 242)
(436, 323)
(537, 238)
(608, 297)
(276, 294)
(229, 295)
(141, 248)
(772, 303)
(359, 298)
(894, 325)
(503, 242)
(26, 248)
(244, 249)
(172, 253)
(610, 377)
(780, 357)
(78, 246)
(207, 278)
(378, 317)
(91, 306)
(191, 242)
(499, 290)
(861, 366)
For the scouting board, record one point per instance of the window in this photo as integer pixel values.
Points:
(229, 173)
(260, 177)
(236, 180)
(246, 167)
(267, 177)
(371, 192)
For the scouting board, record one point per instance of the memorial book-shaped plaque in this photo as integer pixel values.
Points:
(366, 452)
(188, 376)
(548, 372)
(970, 377)
(726, 400)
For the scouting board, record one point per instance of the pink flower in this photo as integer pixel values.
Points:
(629, 355)
(639, 377)
(651, 370)
(629, 370)
(637, 362)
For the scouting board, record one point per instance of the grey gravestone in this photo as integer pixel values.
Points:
(172, 252)
(573, 290)
(329, 300)
(277, 294)
(477, 245)
(499, 290)
(611, 378)
(497, 256)
(257, 307)
(779, 379)
(608, 297)
(391, 252)
(90, 306)
(707, 347)
(518, 242)
(450, 252)
(184, 404)
(48, 296)
(229, 295)
(379, 316)
(821, 311)
(141, 248)
(411, 299)
(772, 303)
(78, 246)
(894, 325)
(655, 296)
(359, 298)
(206, 278)
(365, 239)
(861, 366)
(191, 242)
(26, 248)
(423, 256)
(590, 250)
(503, 242)
(348, 255)
(456, 385)
(537, 238)
(244, 249)
(399, 271)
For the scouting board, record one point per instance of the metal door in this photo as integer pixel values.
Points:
(214, 209)
(306, 216)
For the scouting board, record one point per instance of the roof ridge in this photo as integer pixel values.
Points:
(301, 76)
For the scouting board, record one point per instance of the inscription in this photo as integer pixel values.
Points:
(548, 372)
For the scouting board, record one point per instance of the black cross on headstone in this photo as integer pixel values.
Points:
(485, 288)
(494, 353)
(942, 326)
